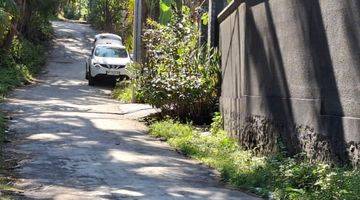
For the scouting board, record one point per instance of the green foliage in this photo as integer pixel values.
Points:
(30, 19)
(9, 5)
(34, 19)
(165, 11)
(114, 16)
(17, 66)
(71, 11)
(277, 177)
(205, 18)
(8, 12)
(75, 9)
(179, 77)
(5, 23)
(218, 123)
(124, 92)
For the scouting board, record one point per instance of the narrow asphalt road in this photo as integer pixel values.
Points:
(74, 142)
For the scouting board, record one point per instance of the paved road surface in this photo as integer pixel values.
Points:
(75, 142)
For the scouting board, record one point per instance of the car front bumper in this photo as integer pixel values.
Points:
(103, 71)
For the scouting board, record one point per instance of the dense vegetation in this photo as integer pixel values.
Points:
(114, 16)
(117, 16)
(178, 71)
(277, 177)
(24, 26)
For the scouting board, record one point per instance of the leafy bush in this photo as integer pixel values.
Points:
(218, 123)
(276, 177)
(71, 11)
(116, 16)
(5, 23)
(17, 66)
(179, 77)
(41, 29)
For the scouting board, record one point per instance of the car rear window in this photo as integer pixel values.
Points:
(110, 52)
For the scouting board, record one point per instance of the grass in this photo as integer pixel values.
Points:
(124, 92)
(276, 177)
(11, 77)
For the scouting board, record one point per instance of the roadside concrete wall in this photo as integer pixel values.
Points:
(291, 70)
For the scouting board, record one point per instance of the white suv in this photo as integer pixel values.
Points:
(108, 59)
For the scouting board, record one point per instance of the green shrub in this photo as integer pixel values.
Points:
(5, 23)
(277, 177)
(179, 77)
(116, 16)
(41, 29)
(18, 66)
(218, 123)
(71, 11)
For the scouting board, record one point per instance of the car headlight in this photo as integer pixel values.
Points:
(97, 65)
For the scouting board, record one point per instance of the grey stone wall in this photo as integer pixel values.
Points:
(293, 64)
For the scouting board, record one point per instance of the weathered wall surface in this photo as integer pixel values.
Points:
(291, 70)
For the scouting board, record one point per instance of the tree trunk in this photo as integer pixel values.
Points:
(108, 17)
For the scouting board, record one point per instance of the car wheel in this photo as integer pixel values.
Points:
(91, 80)
(86, 73)
(113, 82)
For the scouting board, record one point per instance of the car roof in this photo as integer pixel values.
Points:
(108, 42)
(111, 45)
(107, 36)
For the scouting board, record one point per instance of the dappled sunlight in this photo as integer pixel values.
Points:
(161, 171)
(197, 193)
(44, 137)
(133, 157)
(66, 30)
(86, 142)
(127, 193)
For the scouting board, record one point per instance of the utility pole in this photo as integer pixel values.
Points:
(137, 31)
(215, 7)
(137, 39)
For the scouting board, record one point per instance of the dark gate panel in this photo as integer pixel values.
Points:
(231, 41)
(291, 73)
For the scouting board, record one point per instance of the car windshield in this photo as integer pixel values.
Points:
(110, 52)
